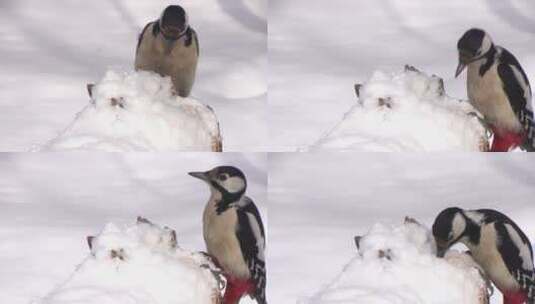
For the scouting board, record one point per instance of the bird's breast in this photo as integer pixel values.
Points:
(165, 57)
(219, 232)
(487, 95)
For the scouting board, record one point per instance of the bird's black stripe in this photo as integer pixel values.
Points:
(490, 60)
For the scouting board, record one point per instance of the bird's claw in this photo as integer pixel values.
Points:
(218, 276)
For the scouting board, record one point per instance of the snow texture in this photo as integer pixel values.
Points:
(138, 263)
(398, 265)
(138, 111)
(406, 111)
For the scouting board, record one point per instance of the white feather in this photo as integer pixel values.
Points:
(458, 225)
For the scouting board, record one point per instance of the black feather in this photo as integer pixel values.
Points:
(250, 249)
(156, 28)
(471, 41)
(516, 94)
(509, 251)
(490, 59)
(192, 36)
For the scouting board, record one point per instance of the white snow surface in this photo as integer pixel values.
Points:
(137, 264)
(406, 111)
(137, 111)
(51, 50)
(319, 201)
(319, 49)
(51, 202)
(398, 264)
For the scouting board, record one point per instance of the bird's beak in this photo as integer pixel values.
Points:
(442, 247)
(464, 60)
(460, 68)
(200, 175)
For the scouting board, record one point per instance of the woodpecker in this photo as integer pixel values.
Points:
(234, 234)
(499, 89)
(169, 46)
(496, 243)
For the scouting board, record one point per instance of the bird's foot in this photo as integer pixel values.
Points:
(481, 120)
(216, 270)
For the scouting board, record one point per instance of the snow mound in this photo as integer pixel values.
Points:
(397, 265)
(138, 111)
(406, 111)
(138, 264)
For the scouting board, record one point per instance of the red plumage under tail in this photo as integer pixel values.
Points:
(506, 142)
(236, 289)
(515, 298)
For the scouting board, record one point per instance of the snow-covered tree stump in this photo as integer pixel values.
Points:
(406, 111)
(398, 264)
(140, 263)
(139, 111)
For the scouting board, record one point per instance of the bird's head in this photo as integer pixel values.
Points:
(173, 22)
(473, 45)
(225, 180)
(449, 228)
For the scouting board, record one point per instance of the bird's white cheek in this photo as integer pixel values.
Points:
(458, 225)
(485, 45)
(233, 184)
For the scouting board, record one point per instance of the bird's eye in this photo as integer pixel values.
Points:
(222, 177)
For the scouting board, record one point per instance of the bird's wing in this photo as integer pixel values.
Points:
(517, 254)
(251, 235)
(140, 37)
(196, 39)
(517, 88)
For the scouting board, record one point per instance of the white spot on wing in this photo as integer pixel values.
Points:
(522, 81)
(475, 216)
(525, 253)
(260, 242)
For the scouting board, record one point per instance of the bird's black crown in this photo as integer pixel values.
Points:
(471, 42)
(174, 16)
(443, 223)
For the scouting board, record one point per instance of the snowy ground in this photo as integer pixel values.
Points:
(50, 202)
(319, 201)
(50, 50)
(140, 262)
(406, 111)
(398, 264)
(138, 112)
(319, 49)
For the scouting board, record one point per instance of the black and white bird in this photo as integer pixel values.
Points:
(496, 243)
(234, 234)
(499, 89)
(169, 46)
